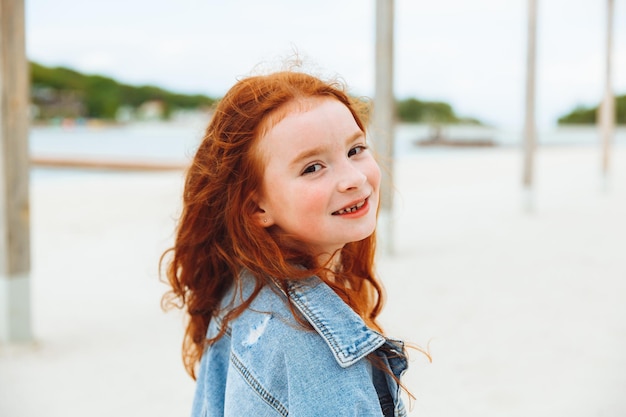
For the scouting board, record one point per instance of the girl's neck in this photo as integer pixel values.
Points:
(331, 264)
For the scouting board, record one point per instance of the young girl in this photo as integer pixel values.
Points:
(273, 259)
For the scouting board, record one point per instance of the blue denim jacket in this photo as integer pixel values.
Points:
(268, 364)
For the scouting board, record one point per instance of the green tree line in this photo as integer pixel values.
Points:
(589, 115)
(102, 97)
(417, 111)
(69, 93)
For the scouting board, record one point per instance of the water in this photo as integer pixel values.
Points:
(177, 142)
(145, 142)
(406, 134)
(155, 142)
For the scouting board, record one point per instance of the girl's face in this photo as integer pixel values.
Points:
(321, 183)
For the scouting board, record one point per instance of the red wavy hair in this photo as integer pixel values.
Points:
(217, 236)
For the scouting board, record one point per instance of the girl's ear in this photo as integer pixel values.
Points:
(261, 217)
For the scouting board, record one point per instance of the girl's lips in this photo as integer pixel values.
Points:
(353, 208)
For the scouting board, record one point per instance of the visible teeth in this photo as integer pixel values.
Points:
(351, 209)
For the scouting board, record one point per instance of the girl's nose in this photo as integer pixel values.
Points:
(350, 177)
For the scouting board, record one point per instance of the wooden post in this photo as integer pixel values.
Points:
(15, 320)
(607, 108)
(530, 129)
(383, 118)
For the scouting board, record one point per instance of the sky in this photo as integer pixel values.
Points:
(469, 53)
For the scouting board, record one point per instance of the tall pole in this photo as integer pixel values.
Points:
(607, 108)
(383, 118)
(530, 129)
(15, 320)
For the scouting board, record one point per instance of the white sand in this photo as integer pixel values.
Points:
(524, 313)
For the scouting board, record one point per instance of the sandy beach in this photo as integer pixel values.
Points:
(523, 313)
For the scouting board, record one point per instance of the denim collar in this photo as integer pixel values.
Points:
(342, 329)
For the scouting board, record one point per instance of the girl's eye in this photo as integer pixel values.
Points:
(312, 168)
(356, 150)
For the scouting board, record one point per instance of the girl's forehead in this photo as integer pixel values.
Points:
(297, 105)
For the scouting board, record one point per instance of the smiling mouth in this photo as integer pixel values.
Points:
(351, 209)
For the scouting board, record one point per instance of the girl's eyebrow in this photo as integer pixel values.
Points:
(308, 153)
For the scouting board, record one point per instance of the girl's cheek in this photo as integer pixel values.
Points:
(318, 193)
(374, 174)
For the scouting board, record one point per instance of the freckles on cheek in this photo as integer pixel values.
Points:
(309, 201)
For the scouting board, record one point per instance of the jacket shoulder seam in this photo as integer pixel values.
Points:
(257, 387)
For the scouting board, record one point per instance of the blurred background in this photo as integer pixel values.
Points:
(523, 311)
